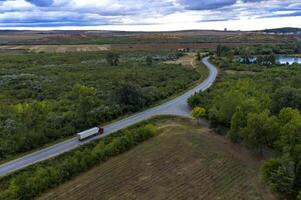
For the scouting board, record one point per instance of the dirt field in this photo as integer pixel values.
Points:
(240, 72)
(56, 48)
(183, 162)
(186, 60)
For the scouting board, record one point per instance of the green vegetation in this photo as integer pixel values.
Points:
(261, 111)
(46, 97)
(242, 58)
(185, 161)
(198, 112)
(117, 38)
(283, 30)
(112, 58)
(32, 181)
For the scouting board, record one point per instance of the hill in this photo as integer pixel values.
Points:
(183, 162)
(283, 30)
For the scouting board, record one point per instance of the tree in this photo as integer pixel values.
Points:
(261, 130)
(222, 50)
(224, 106)
(290, 140)
(299, 196)
(130, 96)
(83, 99)
(286, 97)
(198, 56)
(112, 58)
(279, 175)
(149, 60)
(239, 119)
(198, 113)
(219, 50)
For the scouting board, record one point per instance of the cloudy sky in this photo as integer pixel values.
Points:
(149, 15)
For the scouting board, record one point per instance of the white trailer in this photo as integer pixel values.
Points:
(89, 133)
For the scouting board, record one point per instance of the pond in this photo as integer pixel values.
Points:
(281, 60)
(289, 60)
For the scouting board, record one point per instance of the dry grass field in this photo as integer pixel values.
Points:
(56, 48)
(184, 162)
(186, 60)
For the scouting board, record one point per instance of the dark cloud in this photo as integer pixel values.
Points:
(56, 13)
(206, 4)
(41, 3)
(293, 14)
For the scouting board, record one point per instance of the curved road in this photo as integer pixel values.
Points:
(177, 106)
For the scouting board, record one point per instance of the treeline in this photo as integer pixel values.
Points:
(36, 179)
(261, 111)
(41, 103)
(263, 49)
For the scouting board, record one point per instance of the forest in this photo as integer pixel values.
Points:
(50, 96)
(260, 110)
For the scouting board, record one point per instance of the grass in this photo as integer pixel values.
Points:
(184, 162)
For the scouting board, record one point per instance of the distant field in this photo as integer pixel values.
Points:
(110, 37)
(183, 162)
(56, 48)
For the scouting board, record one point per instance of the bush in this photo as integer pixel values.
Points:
(279, 175)
(198, 112)
(299, 196)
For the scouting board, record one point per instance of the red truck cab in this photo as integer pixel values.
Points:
(101, 131)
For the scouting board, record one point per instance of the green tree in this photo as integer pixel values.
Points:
(239, 119)
(130, 96)
(299, 196)
(112, 58)
(198, 113)
(224, 106)
(149, 60)
(290, 140)
(198, 56)
(82, 99)
(261, 130)
(219, 50)
(286, 97)
(279, 175)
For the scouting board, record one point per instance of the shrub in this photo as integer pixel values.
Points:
(198, 112)
(279, 175)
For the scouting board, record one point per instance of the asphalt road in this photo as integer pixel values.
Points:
(177, 106)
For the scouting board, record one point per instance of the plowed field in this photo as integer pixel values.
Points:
(183, 162)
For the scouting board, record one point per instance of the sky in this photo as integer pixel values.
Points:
(149, 15)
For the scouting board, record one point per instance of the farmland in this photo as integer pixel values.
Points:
(183, 161)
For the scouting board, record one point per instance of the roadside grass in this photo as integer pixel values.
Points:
(184, 161)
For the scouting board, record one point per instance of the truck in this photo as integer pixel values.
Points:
(90, 133)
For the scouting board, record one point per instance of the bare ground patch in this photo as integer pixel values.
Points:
(186, 60)
(240, 72)
(56, 48)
